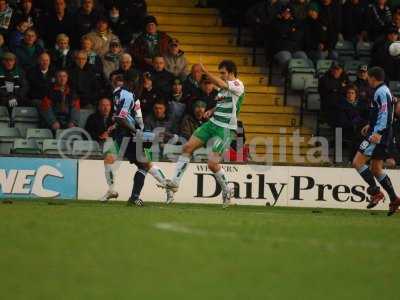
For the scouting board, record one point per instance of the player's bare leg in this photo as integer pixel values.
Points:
(159, 176)
(360, 164)
(386, 183)
(109, 171)
(219, 173)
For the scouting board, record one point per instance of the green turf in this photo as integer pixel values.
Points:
(92, 251)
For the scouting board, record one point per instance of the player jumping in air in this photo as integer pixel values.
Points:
(377, 138)
(218, 131)
(128, 118)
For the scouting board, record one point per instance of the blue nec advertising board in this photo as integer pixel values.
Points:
(38, 178)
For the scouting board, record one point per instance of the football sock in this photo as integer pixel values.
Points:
(181, 166)
(366, 174)
(221, 179)
(110, 176)
(138, 183)
(157, 174)
(386, 183)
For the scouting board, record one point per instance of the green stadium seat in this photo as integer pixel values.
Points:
(24, 118)
(363, 49)
(171, 152)
(300, 71)
(86, 147)
(312, 97)
(85, 113)
(55, 147)
(4, 117)
(200, 154)
(39, 135)
(7, 137)
(300, 63)
(323, 65)
(351, 66)
(346, 50)
(23, 146)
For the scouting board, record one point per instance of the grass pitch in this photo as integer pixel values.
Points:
(84, 250)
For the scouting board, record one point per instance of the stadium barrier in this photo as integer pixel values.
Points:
(285, 186)
(38, 178)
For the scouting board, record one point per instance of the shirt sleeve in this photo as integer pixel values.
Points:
(235, 87)
(383, 113)
(127, 99)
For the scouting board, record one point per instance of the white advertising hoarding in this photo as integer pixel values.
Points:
(254, 185)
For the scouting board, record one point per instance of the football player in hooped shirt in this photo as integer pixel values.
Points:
(129, 120)
(378, 135)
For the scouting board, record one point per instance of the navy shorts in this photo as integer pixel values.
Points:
(130, 152)
(374, 151)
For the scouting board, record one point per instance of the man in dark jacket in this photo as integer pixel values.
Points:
(288, 37)
(83, 81)
(130, 73)
(148, 95)
(191, 86)
(353, 19)
(365, 92)
(99, 124)
(60, 108)
(331, 89)
(193, 120)
(162, 79)
(41, 79)
(161, 118)
(62, 56)
(85, 20)
(331, 17)
(378, 18)
(13, 85)
(29, 50)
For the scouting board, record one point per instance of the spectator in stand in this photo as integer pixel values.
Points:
(377, 19)
(381, 57)
(83, 81)
(193, 120)
(191, 86)
(300, 9)
(331, 89)
(396, 21)
(94, 60)
(13, 85)
(288, 37)
(130, 73)
(150, 44)
(6, 14)
(353, 19)
(85, 20)
(100, 124)
(365, 92)
(352, 117)
(208, 93)
(16, 36)
(316, 38)
(177, 101)
(26, 11)
(3, 47)
(394, 148)
(61, 107)
(161, 117)
(56, 22)
(175, 60)
(120, 25)
(41, 79)
(102, 37)
(162, 79)
(148, 95)
(62, 56)
(112, 58)
(29, 51)
(331, 18)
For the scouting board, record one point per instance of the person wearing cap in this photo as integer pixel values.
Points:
(377, 18)
(316, 35)
(56, 22)
(331, 87)
(288, 37)
(29, 50)
(61, 55)
(175, 60)
(84, 20)
(101, 37)
(149, 44)
(112, 58)
(130, 74)
(13, 84)
(162, 79)
(365, 92)
(193, 120)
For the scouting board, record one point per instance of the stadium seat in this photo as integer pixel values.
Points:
(346, 50)
(351, 66)
(23, 146)
(363, 50)
(4, 117)
(24, 118)
(54, 147)
(39, 135)
(312, 97)
(7, 137)
(200, 154)
(85, 113)
(171, 152)
(86, 147)
(323, 65)
(395, 88)
(300, 71)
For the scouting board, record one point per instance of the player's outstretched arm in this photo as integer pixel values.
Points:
(215, 79)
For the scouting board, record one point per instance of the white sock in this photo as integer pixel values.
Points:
(110, 176)
(181, 166)
(221, 179)
(157, 174)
